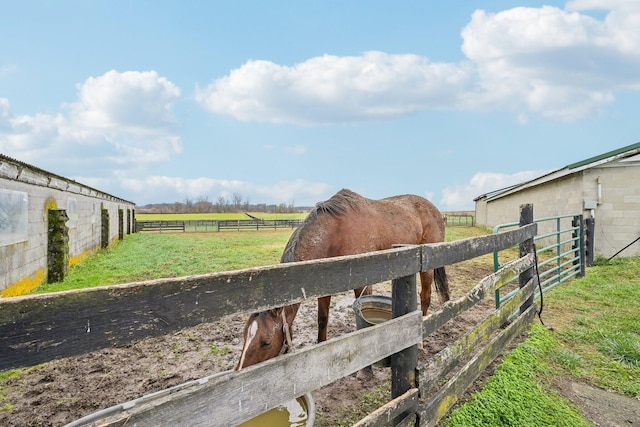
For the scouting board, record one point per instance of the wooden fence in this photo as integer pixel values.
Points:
(246, 224)
(206, 225)
(160, 226)
(464, 220)
(39, 328)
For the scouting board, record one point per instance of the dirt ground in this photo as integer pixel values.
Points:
(65, 390)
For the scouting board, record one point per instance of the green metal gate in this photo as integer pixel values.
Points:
(560, 251)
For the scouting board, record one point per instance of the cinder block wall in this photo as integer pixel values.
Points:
(23, 260)
(617, 216)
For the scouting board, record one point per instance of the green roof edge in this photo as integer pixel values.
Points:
(604, 156)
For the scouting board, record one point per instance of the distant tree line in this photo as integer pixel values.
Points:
(202, 204)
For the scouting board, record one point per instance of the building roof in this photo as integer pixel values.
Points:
(610, 156)
(8, 173)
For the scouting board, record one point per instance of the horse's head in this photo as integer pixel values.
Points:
(266, 335)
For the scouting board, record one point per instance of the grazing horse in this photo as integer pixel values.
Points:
(346, 224)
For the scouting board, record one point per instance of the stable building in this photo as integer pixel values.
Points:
(605, 188)
(48, 223)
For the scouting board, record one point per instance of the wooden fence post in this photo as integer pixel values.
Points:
(404, 363)
(526, 247)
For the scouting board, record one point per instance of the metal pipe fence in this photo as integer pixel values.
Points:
(559, 252)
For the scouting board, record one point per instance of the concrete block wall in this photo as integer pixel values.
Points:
(617, 215)
(23, 264)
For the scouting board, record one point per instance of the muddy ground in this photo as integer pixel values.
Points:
(65, 390)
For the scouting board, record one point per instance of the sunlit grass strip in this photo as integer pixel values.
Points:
(515, 396)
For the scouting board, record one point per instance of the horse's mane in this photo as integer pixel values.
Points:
(340, 203)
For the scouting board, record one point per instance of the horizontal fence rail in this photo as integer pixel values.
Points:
(38, 328)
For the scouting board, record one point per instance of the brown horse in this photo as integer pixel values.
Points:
(346, 224)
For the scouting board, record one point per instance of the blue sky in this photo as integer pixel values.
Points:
(290, 101)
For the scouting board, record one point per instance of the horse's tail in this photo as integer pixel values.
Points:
(442, 285)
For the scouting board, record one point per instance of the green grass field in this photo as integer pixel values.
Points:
(144, 256)
(595, 336)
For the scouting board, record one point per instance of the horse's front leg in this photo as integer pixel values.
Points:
(323, 317)
(426, 280)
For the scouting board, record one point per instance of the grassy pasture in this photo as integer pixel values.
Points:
(592, 333)
(144, 256)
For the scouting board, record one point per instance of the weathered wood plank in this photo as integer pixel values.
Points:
(451, 309)
(446, 360)
(384, 415)
(437, 255)
(437, 407)
(115, 414)
(245, 394)
(38, 328)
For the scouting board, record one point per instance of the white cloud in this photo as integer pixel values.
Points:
(135, 101)
(152, 189)
(300, 192)
(332, 89)
(5, 70)
(118, 120)
(460, 197)
(120, 125)
(296, 149)
(561, 64)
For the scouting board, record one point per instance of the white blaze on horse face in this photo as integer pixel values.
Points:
(251, 334)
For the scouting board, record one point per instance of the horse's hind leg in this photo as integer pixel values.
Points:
(323, 317)
(426, 280)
